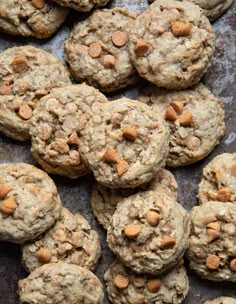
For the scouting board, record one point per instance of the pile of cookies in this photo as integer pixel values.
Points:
(76, 130)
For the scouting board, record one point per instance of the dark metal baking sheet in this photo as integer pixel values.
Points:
(75, 194)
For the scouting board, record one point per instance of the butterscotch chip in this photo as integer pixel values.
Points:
(39, 3)
(224, 195)
(19, 65)
(121, 281)
(110, 156)
(214, 225)
(119, 38)
(95, 50)
(153, 285)
(233, 170)
(132, 230)
(153, 218)
(180, 263)
(170, 114)
(167, 242)
(130, 133)
(179, 28)
(5, 88)
(9, 205)
(233, 265)
(122, 167)
(212, 262)
(141, 48)
(186, 119)
(177, 106)
(73, 139)
(25, 112)
(109, 61)
(212, 235)
(44, 255)
(4, 190)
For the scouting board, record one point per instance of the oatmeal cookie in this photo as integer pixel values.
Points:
(36, 18)
(149, 232)
(105, 200)
(26, 74)
(97, 50)
(171, 44)
(196, 120)
(56, 128)
(212, 244)
(219, 179)
(125, 286)
(221, 300)
(125, 143)
(71, 240)
(61, 283)
(29, 202)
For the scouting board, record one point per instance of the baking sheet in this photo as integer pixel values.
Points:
(75, 194)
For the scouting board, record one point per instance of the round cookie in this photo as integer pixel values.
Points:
(171, 44)
(82, 5)
(26, 74)
(196, 120)
(105, 200)
(211, 8)
(221, 300)
(29, 202)
(219, 179)
(36, 18)
(149, 232)
(212, 244)
(125, 286)
(71, 240)
(56, 128)
(97, 50)
(125, 143)
(61, 283)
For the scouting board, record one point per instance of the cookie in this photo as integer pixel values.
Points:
(71, 240)
(196, 120)
(125, 286)
(29, 202)
(212, 244)
(219, 179)
(221, 300)
(61, 283)
(149, 232)
(125, 143)
(26, 74)
(55, 128)
(171, 44)
(97, 50)
(105, 200)
(36, 18)
(82, 5)
(212, 9)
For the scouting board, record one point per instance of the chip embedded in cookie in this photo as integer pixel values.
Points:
(56, 127)
(29, 202)
(81, 5)
(97, 50)
(149, 232)
(196, 120)
(171, 44)
(219, 179)
(125, 143)
(61, 283)
(36, 18)
(26, 74)
(125, 286)
(104, 200)
(71, 240)
(212, 243)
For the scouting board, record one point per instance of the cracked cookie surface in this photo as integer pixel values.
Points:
(82, 5)
(29, 202)
(171, 44)
(149, 232)
(26, 74)
(56, 127)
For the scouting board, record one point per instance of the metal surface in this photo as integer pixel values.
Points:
(75, 194)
